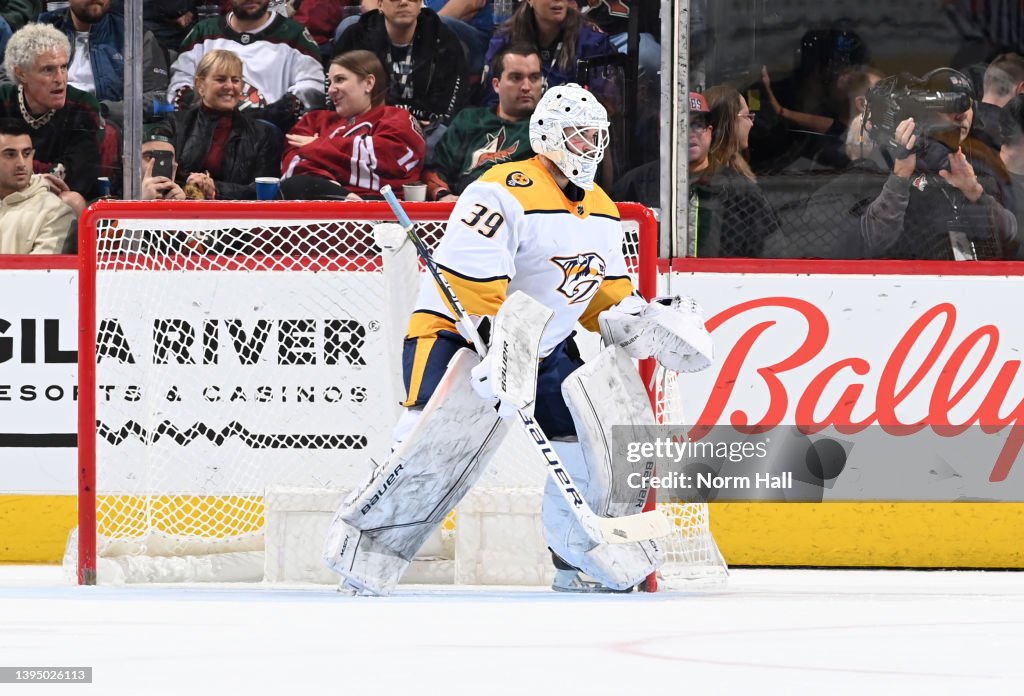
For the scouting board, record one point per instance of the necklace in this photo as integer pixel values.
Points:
(33, 121)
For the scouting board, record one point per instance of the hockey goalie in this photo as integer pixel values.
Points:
(531, 249)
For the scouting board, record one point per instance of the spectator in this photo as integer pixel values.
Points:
(481, 137)
(1011, 122)
(18, 13)
(613, 19)
(221, 149)
(358, 147)
(321, 18)
(170, 21)
(65, 122)
(940, 201)
(159, 187)
(32, 220)
(473, 22)
(851, 86)
(96, 37)
(559, 32)
(283, 73)
(733, 218)
(425, 63)
(1003, 80)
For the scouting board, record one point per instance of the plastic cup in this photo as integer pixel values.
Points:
(414, 192)
(103, 185)
(266, 187)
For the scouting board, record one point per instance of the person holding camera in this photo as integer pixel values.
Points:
(944, 196)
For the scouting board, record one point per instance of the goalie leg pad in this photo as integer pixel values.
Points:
(605, 392)
(617, 566)
(380, 527)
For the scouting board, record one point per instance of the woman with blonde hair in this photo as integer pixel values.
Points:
(220, 149)
(361, 144)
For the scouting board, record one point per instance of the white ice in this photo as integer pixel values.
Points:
(765, 632)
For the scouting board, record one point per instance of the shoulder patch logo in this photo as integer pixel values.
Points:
(582, 275)
(518, 179)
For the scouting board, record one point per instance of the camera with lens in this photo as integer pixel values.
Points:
(904, 96)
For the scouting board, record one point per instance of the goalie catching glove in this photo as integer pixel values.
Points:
(668, 329)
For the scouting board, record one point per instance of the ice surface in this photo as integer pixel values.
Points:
(766, 632)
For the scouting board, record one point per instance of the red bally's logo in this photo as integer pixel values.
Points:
(896, 381)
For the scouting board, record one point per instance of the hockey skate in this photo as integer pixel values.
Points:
(572, 580)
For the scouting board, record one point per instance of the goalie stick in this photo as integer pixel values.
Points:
(610, 530)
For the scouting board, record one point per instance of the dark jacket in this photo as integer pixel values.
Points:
(106, 56)
(253, 149)
(733, 216)
(914, 218)
(438, 64)
(71, 138)
(160, 18)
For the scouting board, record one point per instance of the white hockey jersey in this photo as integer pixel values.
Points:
(278, 58)
(514, 229)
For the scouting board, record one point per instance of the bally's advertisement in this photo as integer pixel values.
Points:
(851, 387)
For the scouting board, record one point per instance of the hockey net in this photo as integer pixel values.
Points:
(245, 375)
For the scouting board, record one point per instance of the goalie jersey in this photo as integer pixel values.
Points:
(514, 229)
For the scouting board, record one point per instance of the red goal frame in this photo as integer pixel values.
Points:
(647, 274)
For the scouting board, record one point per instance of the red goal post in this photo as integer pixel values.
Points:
(176, 445)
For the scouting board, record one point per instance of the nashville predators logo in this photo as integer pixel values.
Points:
(518, 179)
(583, 274)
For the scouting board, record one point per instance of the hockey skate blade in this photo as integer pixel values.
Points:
(623, 530)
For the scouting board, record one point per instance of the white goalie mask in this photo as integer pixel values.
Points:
(570, 128)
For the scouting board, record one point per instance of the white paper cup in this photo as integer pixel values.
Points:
(414, 192)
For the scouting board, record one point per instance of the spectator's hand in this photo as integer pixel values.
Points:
(55, 184)
(905, 159)
(205, 183)
(766, 80)
(182, 98)
(300, 140)
(184, 20)
(961, 174)
(464, 10)
(160, 187)
(448, 197)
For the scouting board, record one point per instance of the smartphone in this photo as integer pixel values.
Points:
(163, 164)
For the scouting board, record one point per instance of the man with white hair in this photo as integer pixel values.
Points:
(65, 123)
(541, 227)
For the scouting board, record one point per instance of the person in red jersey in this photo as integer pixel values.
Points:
(354, 150)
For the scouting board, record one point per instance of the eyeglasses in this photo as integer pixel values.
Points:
(749, 116)
(699, 126)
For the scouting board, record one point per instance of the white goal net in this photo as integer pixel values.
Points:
(246, 376)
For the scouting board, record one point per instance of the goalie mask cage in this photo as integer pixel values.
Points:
(240, 373)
